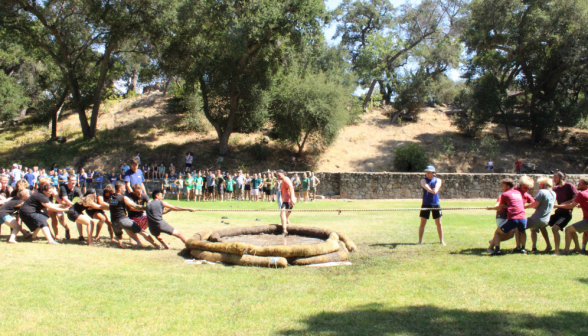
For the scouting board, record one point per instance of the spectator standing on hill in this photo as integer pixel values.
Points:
(518, 165)
(172, 169)
(124, 168)
(189, 159)
(134, 176)
(30, 178)
(431, 186)
(490, 166)
(15, 174)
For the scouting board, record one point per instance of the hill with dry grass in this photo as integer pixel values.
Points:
(143, 124)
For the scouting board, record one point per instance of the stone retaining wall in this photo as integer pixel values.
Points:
(407, 185)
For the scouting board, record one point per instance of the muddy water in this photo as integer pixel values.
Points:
(272, 240)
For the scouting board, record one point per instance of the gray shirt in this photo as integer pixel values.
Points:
(240, 181)
(210, 180)
(313, 181)
(155, 211)
(546, 199)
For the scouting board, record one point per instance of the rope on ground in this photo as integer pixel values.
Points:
(337, 210)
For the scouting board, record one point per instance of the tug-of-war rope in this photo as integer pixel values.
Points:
(336, 210)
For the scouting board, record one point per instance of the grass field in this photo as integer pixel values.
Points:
(394, 287)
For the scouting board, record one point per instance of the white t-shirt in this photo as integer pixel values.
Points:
(490, 165)
(16, 175)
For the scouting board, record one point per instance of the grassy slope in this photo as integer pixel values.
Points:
(393, 287)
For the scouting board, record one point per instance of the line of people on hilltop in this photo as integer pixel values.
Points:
(43, 206)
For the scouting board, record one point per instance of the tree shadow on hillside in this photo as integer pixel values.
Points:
(376, 320)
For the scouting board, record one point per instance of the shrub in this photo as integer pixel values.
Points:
(410, 158)
(489, 145)
(260, 152)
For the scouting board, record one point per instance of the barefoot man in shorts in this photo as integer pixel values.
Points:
(155, 211)
(581, 226)
(288, 200)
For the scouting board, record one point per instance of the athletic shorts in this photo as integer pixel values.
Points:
(512, 224)
(73, 215)
(560, 219)
(210, 189)
(268, 191)
(228, 191)
(156, 228)
(7, 218)
(197, 192)
(82, 184)
(126, 223)
(500, 221)
(427, 213)
(188, 165)
(92, 212)
(534, 224)
(35, 221)
(313, 190)
(247, 187)
(286, 206)
(141, 221)
(254, 192)
(581, 226)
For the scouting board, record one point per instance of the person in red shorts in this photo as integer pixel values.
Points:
(513, 199)
(581, 226)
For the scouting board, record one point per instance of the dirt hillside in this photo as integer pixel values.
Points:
(144, 124)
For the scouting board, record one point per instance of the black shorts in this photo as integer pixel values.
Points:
(247, 187)
(73, 215)
(125, 223)
(427, 213)
(92, 212)
(268, 191)
(286, 206)
(188, 165)
(210, 189)
(560, 219)
(82, 184)
(35, 221)
(156, 228)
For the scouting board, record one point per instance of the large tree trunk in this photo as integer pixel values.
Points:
(104, 66)
(56, 112)
(301, 145)
(133, 83)
(369, 93)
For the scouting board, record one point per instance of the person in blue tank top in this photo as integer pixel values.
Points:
(431, 186)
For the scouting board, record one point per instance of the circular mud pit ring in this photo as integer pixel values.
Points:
(272, 240)
(265, 246)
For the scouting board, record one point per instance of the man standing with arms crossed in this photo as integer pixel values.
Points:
(288, 200)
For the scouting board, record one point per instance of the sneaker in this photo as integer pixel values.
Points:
(67, 235)
(520, 251)
(496, 253)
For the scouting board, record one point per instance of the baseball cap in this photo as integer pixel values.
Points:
(430, 169)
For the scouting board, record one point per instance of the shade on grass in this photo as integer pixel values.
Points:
(393, 287)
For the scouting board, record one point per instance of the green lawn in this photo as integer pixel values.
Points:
(393, 286)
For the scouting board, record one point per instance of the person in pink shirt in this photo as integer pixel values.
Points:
(581, 199)
(514, 200)
(288, 199)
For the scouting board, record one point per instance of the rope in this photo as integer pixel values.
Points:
(335, 210)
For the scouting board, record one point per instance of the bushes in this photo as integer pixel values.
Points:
(410, 158)
(260, 152)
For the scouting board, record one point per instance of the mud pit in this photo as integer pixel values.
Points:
(265, 246)
(272, 240)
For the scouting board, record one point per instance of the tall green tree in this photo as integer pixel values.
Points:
(232, 51)
(83, 38)
(537, 47)
(386, 48)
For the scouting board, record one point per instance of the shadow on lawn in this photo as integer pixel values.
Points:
(375, 320)
(583, 280)
(472, 251)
